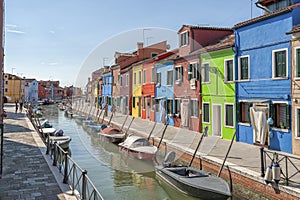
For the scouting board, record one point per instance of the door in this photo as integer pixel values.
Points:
(139, 104)
(147, 102)
(217, 120)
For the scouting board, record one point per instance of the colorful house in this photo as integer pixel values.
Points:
(137, 90)
(107, 82)
(263, 78)
(186, 73)
(218, 92)
(295, 55)
(164, 88)
(116, 86)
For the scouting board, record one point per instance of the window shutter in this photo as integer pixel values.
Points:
(197, 71)
(238, 112)
(190, 72)
(180, 74)
(272, 113)
(249, 106)
(288, 116)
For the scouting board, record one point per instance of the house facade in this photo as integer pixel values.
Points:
(137, 90)
(218, 89)
(107, 82)
(31, 91)
(116, 86)
(263, 78)
(12, 87)
(295, 55)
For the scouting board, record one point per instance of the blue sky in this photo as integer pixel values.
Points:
(66, 40)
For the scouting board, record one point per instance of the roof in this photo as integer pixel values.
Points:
(267, 16)
(295, 29)
(205, 28)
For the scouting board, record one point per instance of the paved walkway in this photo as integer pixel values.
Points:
(26, 174)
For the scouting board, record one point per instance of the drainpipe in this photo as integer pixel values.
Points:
(262, 7)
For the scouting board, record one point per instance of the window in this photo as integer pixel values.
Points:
(118, 101)
(127, 79)
(140, 77)
(205, 73)
(280, 113)
(133, 102)
(153, 75)
(297, 60)
(194, 108)
(277, 5)
(169, 106)
(244, 108)
(279, 63)
(153, 54)
(145, 76)
(134, 78)
(178, 74)
(6, 90)
(297, 129)
(6, 82)
(121, 80)
(229, 70)
(170, 77)
(193, 71)
(206, 112)
(155, 104)
(177, 106)
(158, 78)
(184, 38)
(229, 115)
(244, 68)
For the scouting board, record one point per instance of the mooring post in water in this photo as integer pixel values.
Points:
(162, 136)
(129, 126)
(196, 149)
(110, 118)
(151, 131)
(226, 154)
(124, 122)
(99, 115)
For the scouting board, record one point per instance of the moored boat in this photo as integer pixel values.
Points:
(112, 135)
(138, 147)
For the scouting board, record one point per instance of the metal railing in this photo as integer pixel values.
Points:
(289, 165)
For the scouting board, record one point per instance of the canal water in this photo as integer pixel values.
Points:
(115, 175)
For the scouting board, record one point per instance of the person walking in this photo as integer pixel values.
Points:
(113, 109)
(21, 105)
(105, 109)
(16, 102)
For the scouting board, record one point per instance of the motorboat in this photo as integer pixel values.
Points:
(112, 135)
(191, 181)
(138, 147)
(60, 139)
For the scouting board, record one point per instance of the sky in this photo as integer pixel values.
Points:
(66, 40)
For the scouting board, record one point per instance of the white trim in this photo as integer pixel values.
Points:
(134, 78)
(202, 72)
(197, 100)
(296, 122)
(295, 62)
(225, 70)
(239, 67)
(280, 102)
(286, 63)
(127, 80)
(144, 77)
(212, 120)
(170, 70)
(204, 114)
(233, 115)
(188, 39)
(178, 80)
(153, 78)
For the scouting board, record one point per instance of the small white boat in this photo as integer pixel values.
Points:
(138, 147)
(47, 131)
(62, 141)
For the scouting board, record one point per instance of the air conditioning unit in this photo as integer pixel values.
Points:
(193, 84)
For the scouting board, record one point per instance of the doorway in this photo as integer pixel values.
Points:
(217, 120)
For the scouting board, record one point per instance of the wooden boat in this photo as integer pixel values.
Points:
(62, 141)
(96, 127)
(194, 182)
(112, 135)
(138, 147)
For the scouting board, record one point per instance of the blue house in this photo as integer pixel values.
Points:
(107, 84)
(164, 92)
(263, 76)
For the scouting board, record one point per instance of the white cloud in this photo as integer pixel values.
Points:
(52, 32)
(12, 28)
(53, 63)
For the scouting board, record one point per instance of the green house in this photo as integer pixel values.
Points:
(218, 88)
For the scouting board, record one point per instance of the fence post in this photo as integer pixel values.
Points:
(287, 173)
(55, 154)
(262, 163)
(66, 167)
(48, 144)
(84, 184)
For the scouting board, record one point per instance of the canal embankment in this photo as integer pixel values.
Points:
(243, 164)
(27, 171)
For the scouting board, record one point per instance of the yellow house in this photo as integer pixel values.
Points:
(137, 90)
(12, 87)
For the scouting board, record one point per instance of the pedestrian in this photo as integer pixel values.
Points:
(21, 105)
(16, 102)
(113, 109)
(105, 109)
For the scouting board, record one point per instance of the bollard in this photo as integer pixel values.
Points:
(54, 155)
(66, 167)
(262, 163)
(48, 144)
(84, 184)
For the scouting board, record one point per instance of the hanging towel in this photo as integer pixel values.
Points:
(184, 112)
(259, 123)
(162, 114)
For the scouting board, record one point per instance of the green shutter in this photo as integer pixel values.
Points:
(288, 117)
(272, 113)
(238, 112)
(230, 70)
(190, 72)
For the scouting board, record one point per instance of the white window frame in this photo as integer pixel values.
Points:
(194, 99)
(233, 114)
(296, 61)
(208, 113)
(170, 70)
(225, 70)
(194, 75)
(134, 78)
(180, 79)
(296, 120)
(286, 63)
(153, 74)
(186, 42)
(239, 67)
(144, 76)
(127, 79)
(203, 73)
(140, 77)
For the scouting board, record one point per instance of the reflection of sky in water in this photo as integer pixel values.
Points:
(114, 174)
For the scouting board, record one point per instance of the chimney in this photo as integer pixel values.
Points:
(140, 45)
(140, 50)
